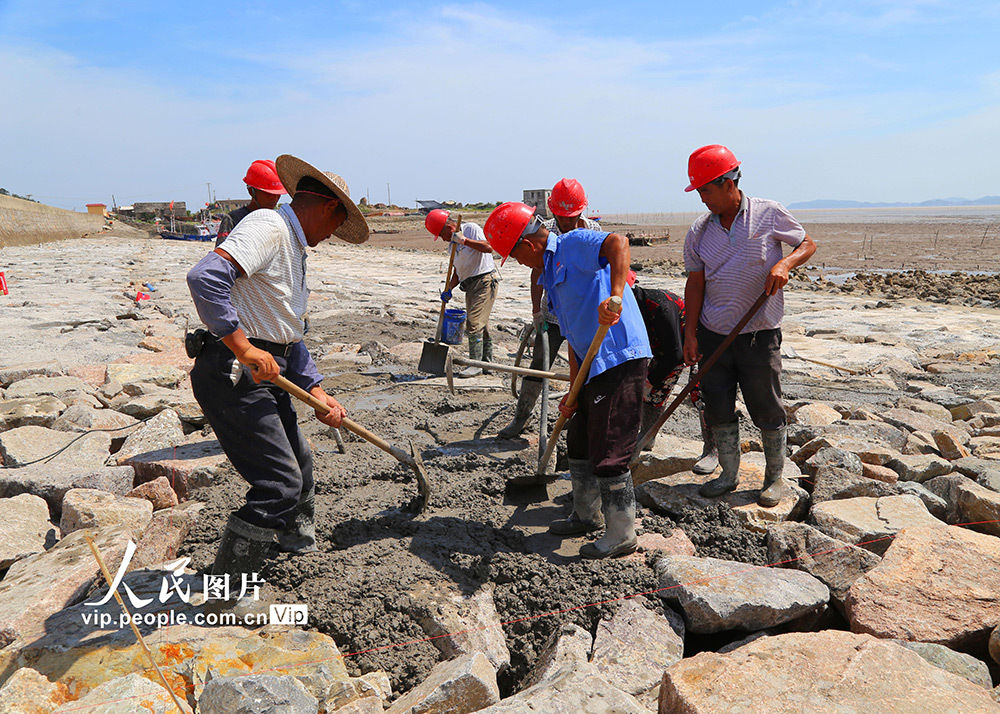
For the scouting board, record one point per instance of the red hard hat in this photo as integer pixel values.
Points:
(567, 199)
(505, 225)
(435, 221)
(263, 176)
(709, 163)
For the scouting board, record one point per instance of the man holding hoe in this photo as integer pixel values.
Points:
(733, 254)
(584, 273)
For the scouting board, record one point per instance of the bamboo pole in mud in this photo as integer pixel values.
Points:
(138, 635)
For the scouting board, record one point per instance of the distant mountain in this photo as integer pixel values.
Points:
(827, 203)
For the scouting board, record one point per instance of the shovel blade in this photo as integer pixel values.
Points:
(433, 358)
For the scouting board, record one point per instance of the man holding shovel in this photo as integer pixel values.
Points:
(733, 254)
(251, 294)
(476, 274)
(584, 273)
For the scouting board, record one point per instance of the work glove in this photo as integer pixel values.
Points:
(446, 296)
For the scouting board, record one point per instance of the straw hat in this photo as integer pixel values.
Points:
(291, 170)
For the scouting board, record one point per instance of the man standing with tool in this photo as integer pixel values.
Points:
(583, 271)
(733, 254)
(476, 274)
(264, 188)
(251, 294)
(566, 203)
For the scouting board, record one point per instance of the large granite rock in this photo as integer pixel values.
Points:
(568, 647)
(919, 467)
(870, 522)
(985, 472)
(127, 695)
(934, 584)
(964, 665)
(257, 694)
(83, 418)
(180, 402)
(831, 483)
(27, 444)
(834, 563)
(63, 388)
(90, 508)
(165, 533)
(473, 619)
(29, 411)
(948, 446)
(467, 683)
(915, 421)
(158, 492)
(670, 455)
(830, 671)
(161, 433)
(972, 409)
(17, 372)
(571, 690)
(994, 645)
(985, 447)
(868, 450)
(856, 430)
(636, 645)
(24, 528)
(52, 482)
(815, 414)
(829, 457)
(931, 409)
(678, 493)
(192, 464)
(717, 595)
(28, 692)
(37, 587)
(159, 374)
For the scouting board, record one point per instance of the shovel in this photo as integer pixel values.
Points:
(447, 282)
(436, 359)
(695, 378)
(411, 459)
(615, 305)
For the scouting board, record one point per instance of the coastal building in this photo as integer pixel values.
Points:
(539, 199)
(160, 209)
(97, 209)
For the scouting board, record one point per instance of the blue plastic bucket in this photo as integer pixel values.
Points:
(451, 327)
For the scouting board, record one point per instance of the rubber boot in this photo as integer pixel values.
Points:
(648, 417)
(776, 486)
(618, 506)
(727, 441)
(586, 515)
(709, 459)
(530, 389)
(475, 352)
(301, 536)
(487, 348)
(243, 549)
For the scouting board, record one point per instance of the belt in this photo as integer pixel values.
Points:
(275, 348)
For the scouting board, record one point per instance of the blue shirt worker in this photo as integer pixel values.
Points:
(733, 254)
(251, 294)
(580, 271)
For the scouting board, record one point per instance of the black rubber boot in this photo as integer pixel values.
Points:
(709, 459)
(301, 536)
(776, 486)
(586, 514)
(476, 353)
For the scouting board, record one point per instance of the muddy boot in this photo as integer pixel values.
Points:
(243, 549)
(648, 417)
(618, 506)
(301, 536)
(530, 389)
(709, 459)
(727, 441)
(586, 515)
(776, 486)
(476, 353)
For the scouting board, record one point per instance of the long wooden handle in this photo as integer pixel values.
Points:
(352, 426)
(523, 371)
(447, 282)
(581, 379)
(695, 378)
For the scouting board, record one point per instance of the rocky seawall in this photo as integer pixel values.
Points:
(26, 223)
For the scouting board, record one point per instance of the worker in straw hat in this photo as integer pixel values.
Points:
(251, 294)
(581, 271)
(264, 188)
(733, 254)
(476, 274)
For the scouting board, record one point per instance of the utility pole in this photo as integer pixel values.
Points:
(209, 184)
(114, 206)
(387, 194)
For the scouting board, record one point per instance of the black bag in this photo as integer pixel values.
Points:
(194, 342)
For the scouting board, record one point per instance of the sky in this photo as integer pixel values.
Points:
(883, 100)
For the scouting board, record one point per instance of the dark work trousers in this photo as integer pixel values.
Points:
(555, 342)
(753, 362)
(605, 427)
(257, 428)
